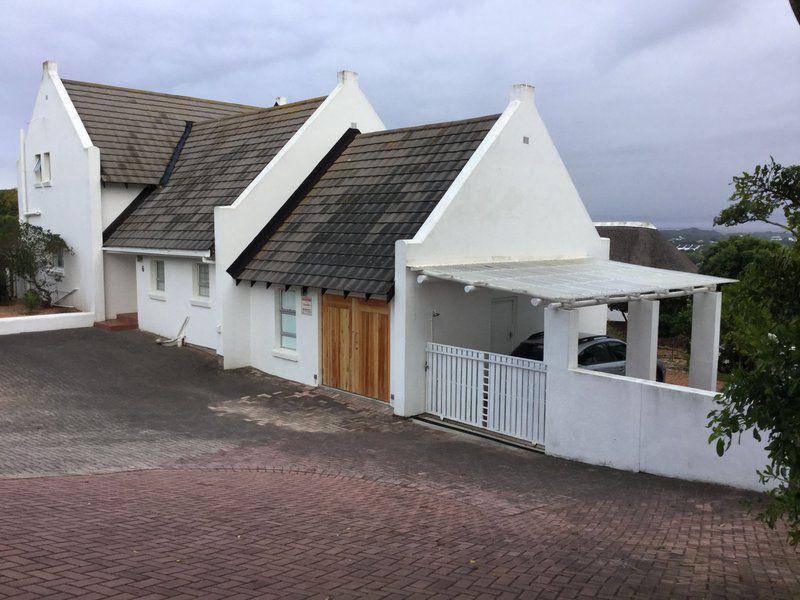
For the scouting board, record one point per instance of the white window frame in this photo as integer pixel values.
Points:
(42, 172)
(155, 293)
(58, 262)
(37, 170)
(197, 298)
(280, 350)
(47, 173)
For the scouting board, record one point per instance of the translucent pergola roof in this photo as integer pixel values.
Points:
(575, 282)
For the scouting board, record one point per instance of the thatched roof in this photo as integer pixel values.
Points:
(642, 244)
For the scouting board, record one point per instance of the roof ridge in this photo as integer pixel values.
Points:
(160, 94)
(259, 110)
(493, 117)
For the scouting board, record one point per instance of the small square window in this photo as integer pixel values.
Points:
(202, 287)
(41, 169)
(287, 314)
(58, 260)
(46, 168)
(158, 280)
(37, 169)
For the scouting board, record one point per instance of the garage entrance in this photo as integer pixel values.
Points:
(355, 345)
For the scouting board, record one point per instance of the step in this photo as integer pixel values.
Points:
(128, 317)
(117, 325)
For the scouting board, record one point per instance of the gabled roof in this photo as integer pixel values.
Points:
(217, 162)
(642, 244)
(136, 131)
(338, 231)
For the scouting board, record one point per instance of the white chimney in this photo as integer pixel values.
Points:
(347, 77)
(50, 68)
(522, 92)
(280, 100)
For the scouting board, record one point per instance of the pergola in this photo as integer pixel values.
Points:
(567, 284)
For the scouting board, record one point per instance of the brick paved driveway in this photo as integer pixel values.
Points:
(258, 488)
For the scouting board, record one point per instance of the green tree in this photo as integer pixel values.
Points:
(8, 203)
(29, 252)
(730, 257)
(762, 396)
(760, 196)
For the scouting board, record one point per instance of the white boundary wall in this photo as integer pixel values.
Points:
(639, 425)
(33, 323)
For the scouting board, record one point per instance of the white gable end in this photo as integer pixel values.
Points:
(514, 200)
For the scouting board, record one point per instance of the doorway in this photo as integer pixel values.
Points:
(502, 326)
(355, 345)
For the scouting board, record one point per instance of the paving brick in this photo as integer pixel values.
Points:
(240, 485)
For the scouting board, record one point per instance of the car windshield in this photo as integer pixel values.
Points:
(532, 349)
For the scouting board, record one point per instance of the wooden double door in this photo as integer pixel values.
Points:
(355, 345)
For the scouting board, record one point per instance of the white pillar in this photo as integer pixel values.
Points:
(706, 312)
(642, 339)
(560, 338)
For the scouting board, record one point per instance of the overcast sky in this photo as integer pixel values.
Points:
(653, 105)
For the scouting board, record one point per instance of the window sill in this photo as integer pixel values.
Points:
(285, 354)
(37, 185)
(157, 296)
(200, 302)
(46, 184)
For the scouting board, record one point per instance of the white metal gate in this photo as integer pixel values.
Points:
(500, 393)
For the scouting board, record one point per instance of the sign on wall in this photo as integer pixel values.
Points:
(305, 305)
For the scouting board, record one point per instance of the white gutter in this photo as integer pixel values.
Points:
(156, 252)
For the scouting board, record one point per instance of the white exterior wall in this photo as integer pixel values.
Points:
(236, 225)
(71, 204)
(512, 201)
(120, 284)
(640, 425)
(115, 197)
(163, 313)
(265, 351)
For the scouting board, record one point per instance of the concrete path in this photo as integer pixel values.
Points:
(240, 485)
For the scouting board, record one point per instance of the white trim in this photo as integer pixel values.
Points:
(157, 296)
(50, 69)
(466, 172)
(639, 224)
(286, 354)
(308, 124)
(200, 302)
(155, 252)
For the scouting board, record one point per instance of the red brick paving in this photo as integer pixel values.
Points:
(251, 534)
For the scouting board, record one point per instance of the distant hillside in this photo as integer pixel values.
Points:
(694, 239)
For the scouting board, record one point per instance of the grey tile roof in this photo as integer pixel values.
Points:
(340, 234)
(219, 160)
(136, 130)
(646, 247)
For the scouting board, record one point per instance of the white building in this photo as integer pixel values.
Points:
(307, 241)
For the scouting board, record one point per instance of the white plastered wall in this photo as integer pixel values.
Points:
(514, 200)
(119, 269)
(266, 354)
(163, 313)
(236, 225)
(71, 204)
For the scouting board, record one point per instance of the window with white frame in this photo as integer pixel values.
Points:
(41, 169)
(287, 320)
(202, 281)
(58, 260)
(157, 279)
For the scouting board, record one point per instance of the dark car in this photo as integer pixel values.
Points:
(595, 352)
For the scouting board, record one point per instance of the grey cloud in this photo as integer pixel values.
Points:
(654, 106)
